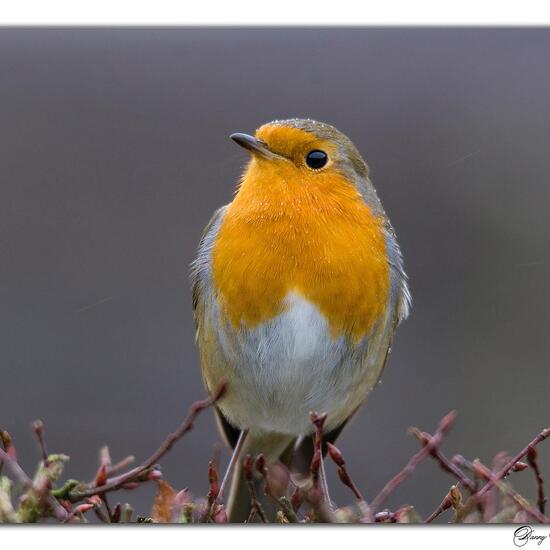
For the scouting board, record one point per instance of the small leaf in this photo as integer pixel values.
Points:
(161, 511)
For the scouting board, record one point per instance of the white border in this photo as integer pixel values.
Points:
(267, 12)
(336, 537)
(274, 12)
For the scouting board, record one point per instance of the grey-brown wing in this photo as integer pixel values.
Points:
(201, 267)
(201, 288)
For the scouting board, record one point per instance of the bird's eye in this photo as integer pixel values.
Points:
(316, 159)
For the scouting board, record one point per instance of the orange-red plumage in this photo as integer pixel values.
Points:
(312, 234)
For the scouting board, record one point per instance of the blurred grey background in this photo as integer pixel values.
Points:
(114, 153)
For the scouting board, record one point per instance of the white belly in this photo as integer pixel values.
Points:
(290, 366)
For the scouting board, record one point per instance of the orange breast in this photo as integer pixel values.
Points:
(317, 238)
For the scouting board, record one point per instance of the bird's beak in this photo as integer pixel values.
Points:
(252, 144)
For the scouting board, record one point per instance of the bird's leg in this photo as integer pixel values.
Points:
(232, 462)
(324, 483)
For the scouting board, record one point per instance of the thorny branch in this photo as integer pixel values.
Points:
(532, 459)
(443, 461)
(135, 473)
(505, 488)
(256, 508)
(444, 426)
(507, 468)
(41, 498)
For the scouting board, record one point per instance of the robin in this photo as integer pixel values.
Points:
(298, 287)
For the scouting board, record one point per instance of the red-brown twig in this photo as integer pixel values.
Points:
(445, 504)
(261, 468)
(249, 478)
(318, 495)
(7, 446)
(487, 503)
(120, 465)
(442, 460)
(443, 427)
(213, 492)
(532, 457)
(318, 421)
(38, 429)
(492, 479)
(514, 464)
(337, 457)
(214, 486)
(505, 470)
(282, 503)
(133, 474)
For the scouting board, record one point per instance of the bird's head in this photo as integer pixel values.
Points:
(303, 152)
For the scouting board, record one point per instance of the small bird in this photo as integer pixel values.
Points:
(298, 287)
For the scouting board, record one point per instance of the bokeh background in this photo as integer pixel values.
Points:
(114, 153)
